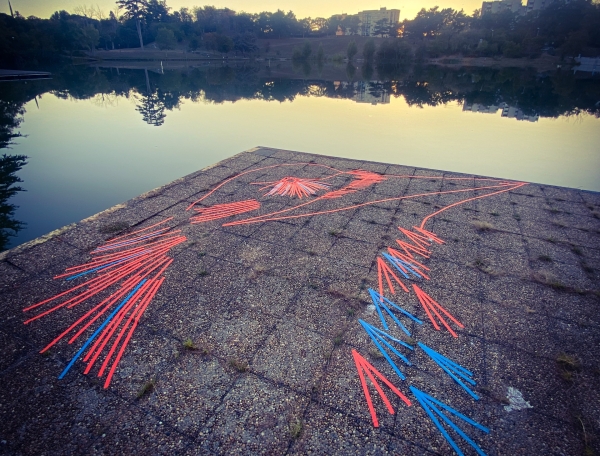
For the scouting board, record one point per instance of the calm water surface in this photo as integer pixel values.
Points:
(100, 137)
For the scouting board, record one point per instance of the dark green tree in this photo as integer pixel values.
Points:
(369, 50)
(136, 10)
(352, 50)
(165, 38)
(9, 166)
(382, 28)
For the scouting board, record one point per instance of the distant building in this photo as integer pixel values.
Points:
(510, 112)
(364, 95)
(499, 6)
(515, 113)
(363, 92)
(536, 5)
(477, 107)
(587, 64)
(368, 19)
(515, 6)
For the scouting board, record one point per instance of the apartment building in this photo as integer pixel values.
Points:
(368, 19)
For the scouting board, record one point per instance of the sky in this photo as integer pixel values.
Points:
(302, 8)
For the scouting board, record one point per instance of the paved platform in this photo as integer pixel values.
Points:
(247, 346)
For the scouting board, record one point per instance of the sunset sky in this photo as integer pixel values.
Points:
(302, 8)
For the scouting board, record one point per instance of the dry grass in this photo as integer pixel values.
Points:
(483, 226)
(547, 278)
(240, 366)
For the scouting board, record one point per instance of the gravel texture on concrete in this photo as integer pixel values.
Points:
(272, 308)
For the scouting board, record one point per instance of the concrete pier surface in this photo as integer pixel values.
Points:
(265, 312)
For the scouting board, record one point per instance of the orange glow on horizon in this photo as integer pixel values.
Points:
(302, 8)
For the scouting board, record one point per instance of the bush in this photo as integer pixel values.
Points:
(352, 50)
(393, 50)
(512, 50)
(369, 50)
(165, 38)
(302, 54)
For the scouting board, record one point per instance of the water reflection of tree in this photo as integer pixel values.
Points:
(9, 226)
(152, 108)
(11, 116)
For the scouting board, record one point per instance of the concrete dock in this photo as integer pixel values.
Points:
(247, 345)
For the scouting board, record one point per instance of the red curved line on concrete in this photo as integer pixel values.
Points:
(355, 206)
(470, 199)
(254, 170)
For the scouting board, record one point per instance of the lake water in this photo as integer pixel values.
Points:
(96, 137)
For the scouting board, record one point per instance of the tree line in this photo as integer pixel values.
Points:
(566, 28)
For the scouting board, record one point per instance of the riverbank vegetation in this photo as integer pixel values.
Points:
(563, 28)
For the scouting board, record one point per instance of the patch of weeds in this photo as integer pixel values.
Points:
(313, 285)
(410, 341)
(587, 449)
(350, 313)
(517, 217)
(113, 228)
(426, 203)
(568, 362)
(545, 258)
(363, 284)
(547, 278)
(201, 254)
(147, 388)
(335, 233)
(495, 214)
(256, 272)
(312, 253)
(46, 354)
(188, 344)
(296, 428)
(483, 266)
(482, 226)
(338, 339)
(375, 354)
(203, 273)
(239, 366)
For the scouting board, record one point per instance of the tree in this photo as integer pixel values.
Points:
(152, 108)
(320, 53)
(90, 37)
(382, 28)
(135, 9)
(9, 166)
(245, 43)
(224, 44)
(165, 38)
(369, 50)
(352, 50)
(302, 54)
(157, 11)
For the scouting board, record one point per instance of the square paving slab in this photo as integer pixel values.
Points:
(281, 302)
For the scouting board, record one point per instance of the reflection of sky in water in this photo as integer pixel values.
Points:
(85, 157)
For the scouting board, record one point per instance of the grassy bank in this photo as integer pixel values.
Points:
(333, 46)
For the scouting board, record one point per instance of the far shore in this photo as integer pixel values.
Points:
(541, 64)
